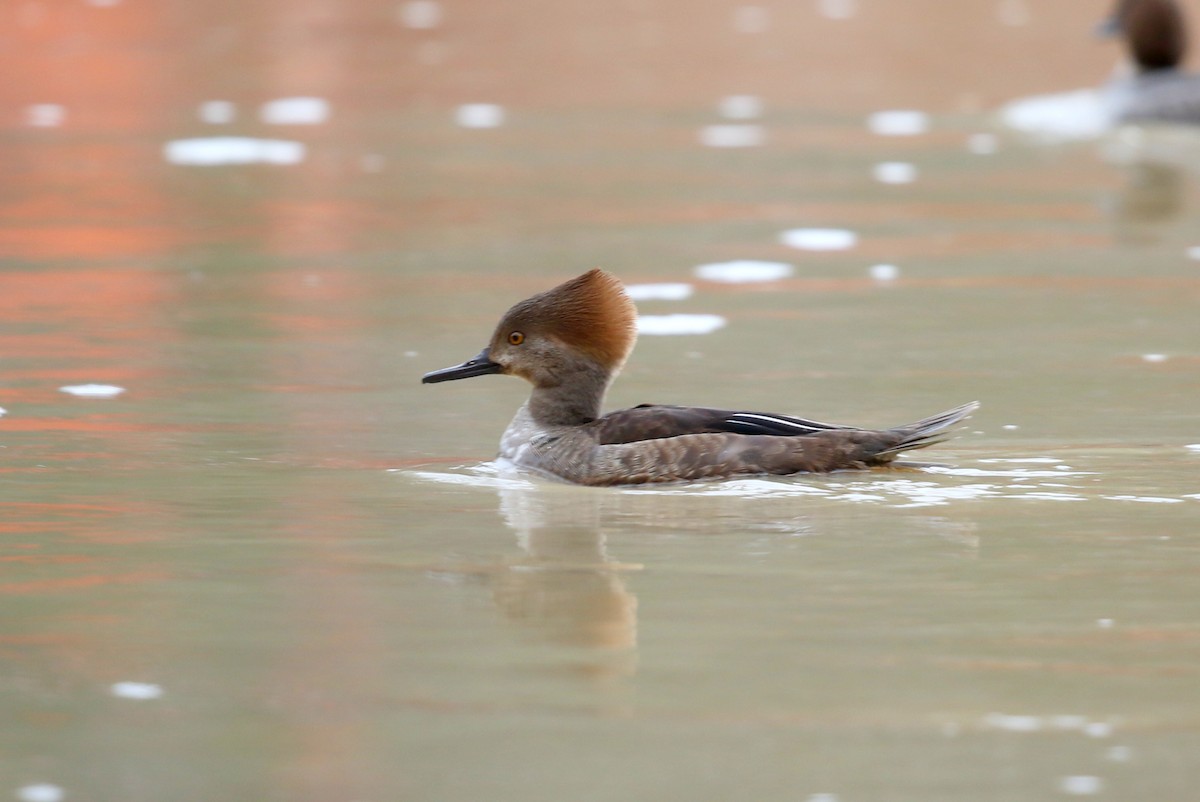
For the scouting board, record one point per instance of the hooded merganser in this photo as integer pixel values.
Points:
(570, 342)
(1155, 34)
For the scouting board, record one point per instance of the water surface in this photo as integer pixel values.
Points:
(267, 563)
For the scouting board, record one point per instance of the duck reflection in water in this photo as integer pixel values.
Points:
(566, 587)
(1152, 197)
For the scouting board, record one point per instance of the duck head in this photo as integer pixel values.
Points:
(577, 333)
(1154, 31)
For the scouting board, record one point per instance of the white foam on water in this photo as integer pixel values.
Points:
(1154, 358)
(1104, 623)
(732, 136)
(1014, 473)
(745, 488)
(895, 172)
(659, 292)
(92, 390)
(837, 9)
(1194, 252)
(679, 324)
(40, 792)
(822, 797)
(898, 122)
(982, 144)
(479, 115)
(420, 14)
(499, 474)
(1146, 499)
(931, 494)
(295, 111)
(1044, 496)
(899, 492)
(884, 272)
(1041, 460)
(136, 690)
(744, 271)
(1081, 785)
(740, 107)
(217, 112)
(1193, 447)
(1065, 722)
(819, 239)
(218, 150)
(3, 412)
(45, 115)
(1013, 723)
(860, 497)
(1083, 114)
(1012, 427)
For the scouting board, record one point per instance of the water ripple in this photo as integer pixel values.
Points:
(931, 486)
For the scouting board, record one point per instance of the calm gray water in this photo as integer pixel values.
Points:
(269, 565)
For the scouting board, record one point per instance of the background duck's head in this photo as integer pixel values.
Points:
(1155, 32)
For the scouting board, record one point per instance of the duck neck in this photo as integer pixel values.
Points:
(573, 401)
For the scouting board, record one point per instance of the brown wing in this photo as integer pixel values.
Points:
(653, 421)
(708, 455)
(718, 454)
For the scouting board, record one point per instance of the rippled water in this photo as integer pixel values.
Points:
(248, 556)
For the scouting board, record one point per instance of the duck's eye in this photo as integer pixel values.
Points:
(516, 338)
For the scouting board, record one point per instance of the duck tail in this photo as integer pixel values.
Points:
(927, 431)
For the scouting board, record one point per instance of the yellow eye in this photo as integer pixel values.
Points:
(516, 338)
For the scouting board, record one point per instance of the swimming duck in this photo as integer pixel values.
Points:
(571, 341)
(1155, 34)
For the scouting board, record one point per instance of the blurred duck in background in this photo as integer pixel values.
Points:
(1156, 37)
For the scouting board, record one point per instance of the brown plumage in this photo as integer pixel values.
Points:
(590, 313)
(1154, 31)
(569, 343)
